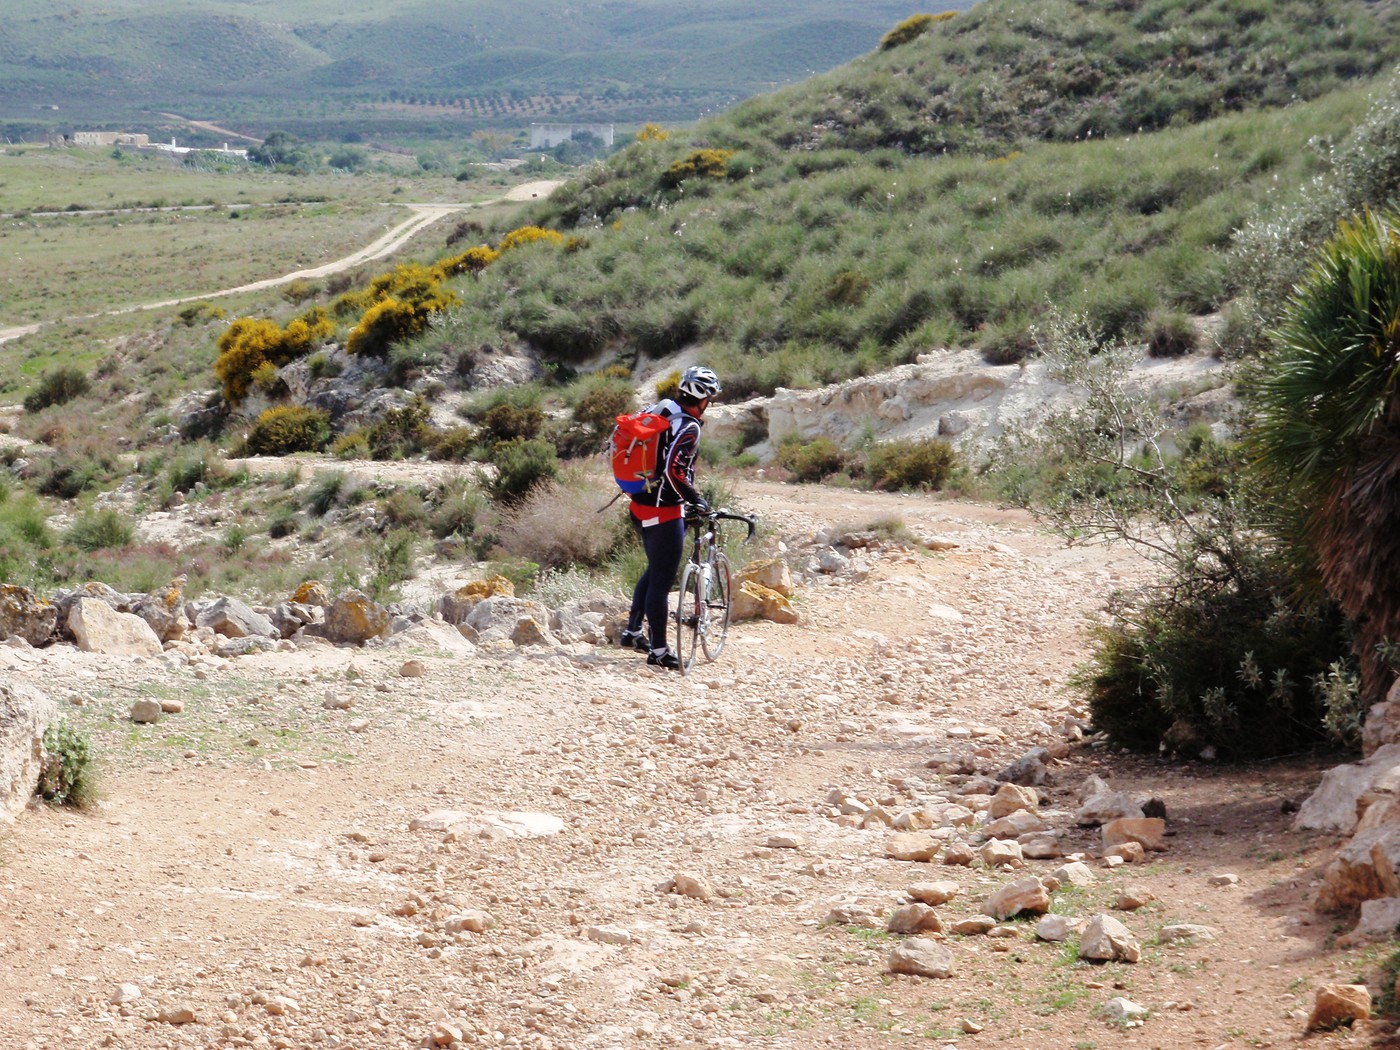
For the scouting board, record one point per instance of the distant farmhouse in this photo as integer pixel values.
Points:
(122, 138)
(108, 138)
(547, 136)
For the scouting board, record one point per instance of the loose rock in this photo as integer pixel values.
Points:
(921, 957)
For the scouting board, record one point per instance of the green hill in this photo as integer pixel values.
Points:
(942, 192)
(265, 64)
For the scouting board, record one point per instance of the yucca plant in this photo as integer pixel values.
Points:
(1328, 434)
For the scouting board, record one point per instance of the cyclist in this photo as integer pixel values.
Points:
(659, 514)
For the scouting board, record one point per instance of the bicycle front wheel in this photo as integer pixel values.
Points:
(690, 616)
(716, 622)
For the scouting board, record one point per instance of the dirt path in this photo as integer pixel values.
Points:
(300, 857)
(213, 129)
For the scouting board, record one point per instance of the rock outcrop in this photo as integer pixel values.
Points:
(950, 394)
(24, 715)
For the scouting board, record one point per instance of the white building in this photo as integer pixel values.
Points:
(547, 136)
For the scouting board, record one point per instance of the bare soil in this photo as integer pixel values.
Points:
(260, 871)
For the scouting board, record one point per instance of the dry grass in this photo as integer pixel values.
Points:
(560, 523)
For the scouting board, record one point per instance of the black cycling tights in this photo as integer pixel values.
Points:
(664, 544)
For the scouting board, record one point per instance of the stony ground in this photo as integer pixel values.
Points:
(320, 850)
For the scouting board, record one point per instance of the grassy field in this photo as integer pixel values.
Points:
(39, 179)
(243, 225)
(246, 225)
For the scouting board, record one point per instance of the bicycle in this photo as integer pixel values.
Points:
(703, 605)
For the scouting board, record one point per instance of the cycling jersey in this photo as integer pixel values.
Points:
(675, 485)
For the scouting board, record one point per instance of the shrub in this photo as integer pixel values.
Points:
(267, 378)
(325, 491)
(250, 343)
(471, 261)
(354, 445)
(56, 388)
(68, 477)
(391, 562)
(464, 229)
(602, 403)
(100, 529)
(707, 163)
(200, 313)
(652, 133)
(384, 324)
(1239, 667)
(1170, 333)
(299, 290)
(285, 429)
(323, 367)
(508, 422)
(456, 445)
(520, 466)
(668, 385)
(409, 362)
(461, 507)
(283, 523)
(530, 235)
(66, 775)
(811, 460)
(528, 395)
(198, 466)
(400, 432)
(558, 524)
(405, 506)
(522, 574)
(910, 464)
(1007, 344)
(911, 29)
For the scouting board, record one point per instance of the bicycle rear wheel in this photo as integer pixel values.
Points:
(690, 616)
(716, 623)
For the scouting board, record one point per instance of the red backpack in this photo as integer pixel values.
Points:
(637, 448)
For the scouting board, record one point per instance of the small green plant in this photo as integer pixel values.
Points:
(1170, 333)
(323, 367)
(200, 313)
(391, 562)
(235, 537)
(400, 432)
(66, 776)
(454, 446)
(105, 529)
(520, 466)
(521, 573)
(871, 938)
(283, 523)
(811, 460)
(507, 422)
(909, 464)
(57, 388)
(325, 491)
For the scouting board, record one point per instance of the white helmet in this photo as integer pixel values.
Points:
(699, 382)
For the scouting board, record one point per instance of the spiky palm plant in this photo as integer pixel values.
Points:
(1329, 427)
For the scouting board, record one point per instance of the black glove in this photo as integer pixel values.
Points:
(697, 509)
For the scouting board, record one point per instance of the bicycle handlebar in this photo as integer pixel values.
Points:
(725, 514)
